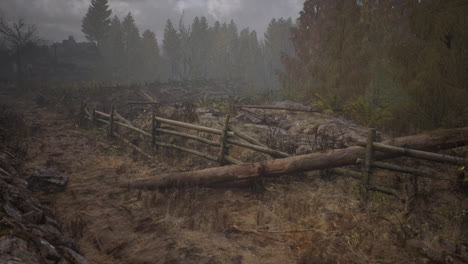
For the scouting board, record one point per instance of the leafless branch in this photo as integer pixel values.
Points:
(18, 34)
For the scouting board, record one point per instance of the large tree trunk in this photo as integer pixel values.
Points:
(434, 141)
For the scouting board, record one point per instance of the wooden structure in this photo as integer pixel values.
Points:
(440, 140)
(366, 153)
(228, 136)
(369, 164)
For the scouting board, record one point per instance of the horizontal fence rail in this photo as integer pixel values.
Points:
(415, 153)
(368, 164)
(115, 119)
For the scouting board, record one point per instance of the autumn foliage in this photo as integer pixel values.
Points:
(396, 64)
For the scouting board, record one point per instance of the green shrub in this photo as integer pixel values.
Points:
(329, 103)
(366, 113)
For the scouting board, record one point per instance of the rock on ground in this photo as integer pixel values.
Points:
(29, 233)
(47, 180)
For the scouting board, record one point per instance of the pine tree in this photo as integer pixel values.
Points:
(327, 43)
(172, 49)
(383, 61)
(113, 50)
(232, 36)
(278, 44)
(185, 39)
(431, 64)
(200, 45)
(217, 65)
(151, 56)
(95, 24)
(132, 47)
(248, 61)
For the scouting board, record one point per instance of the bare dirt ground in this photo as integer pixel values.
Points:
(288, 220)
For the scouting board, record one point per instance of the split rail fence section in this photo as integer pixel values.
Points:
(228, 135)
(369, 164)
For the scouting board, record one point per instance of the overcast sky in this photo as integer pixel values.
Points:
(57, 19)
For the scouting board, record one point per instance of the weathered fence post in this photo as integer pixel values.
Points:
(367, 169)
(82, 113)
(223, 140)
(94, 116)
(154, 133)
(111, 122)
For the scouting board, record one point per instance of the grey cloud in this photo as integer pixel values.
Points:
(57, 19)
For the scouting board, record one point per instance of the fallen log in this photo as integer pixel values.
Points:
(436, 140)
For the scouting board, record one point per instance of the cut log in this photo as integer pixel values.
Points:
(438, 140)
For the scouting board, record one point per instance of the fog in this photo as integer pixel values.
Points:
(233, 131)
(57, 19)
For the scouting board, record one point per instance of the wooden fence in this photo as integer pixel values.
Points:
(369, 164)
(228, 135)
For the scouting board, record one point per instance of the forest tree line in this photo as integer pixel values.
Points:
(395, 64)
(399, 65)
(198, 51)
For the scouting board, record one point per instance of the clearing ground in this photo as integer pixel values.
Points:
(305, 219)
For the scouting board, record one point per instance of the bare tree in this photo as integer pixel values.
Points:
(18, 35)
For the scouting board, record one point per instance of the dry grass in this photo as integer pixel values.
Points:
(287, 220)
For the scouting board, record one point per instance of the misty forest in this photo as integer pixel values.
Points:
(336, 135)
